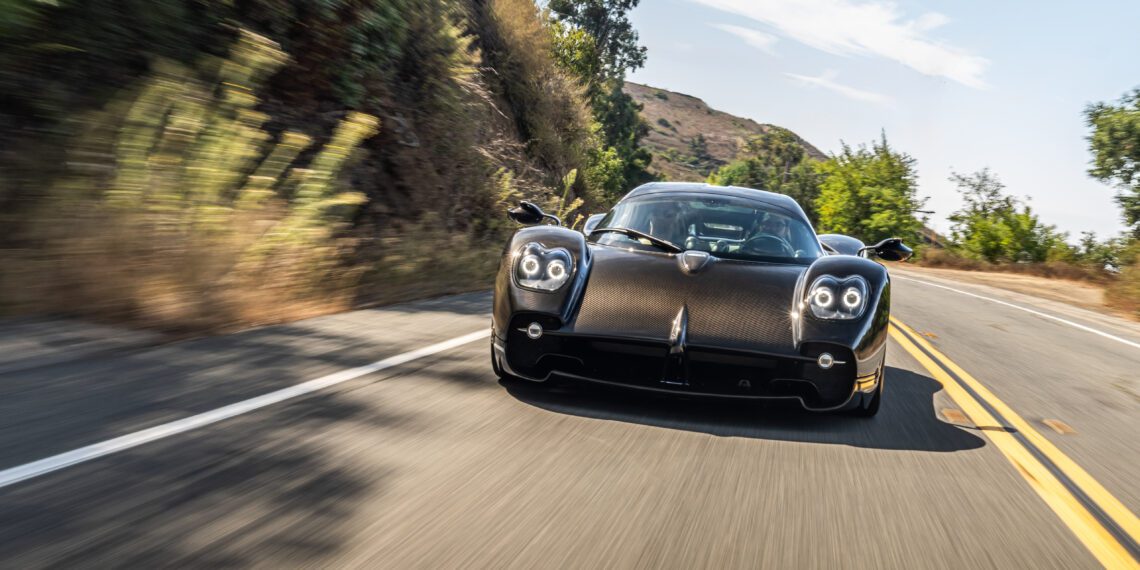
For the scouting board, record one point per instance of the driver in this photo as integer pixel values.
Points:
(666, 221)
(774, 225)
(770, 236)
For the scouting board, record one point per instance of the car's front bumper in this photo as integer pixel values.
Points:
(695, 371)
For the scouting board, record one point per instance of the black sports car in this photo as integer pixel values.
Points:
(697, 290)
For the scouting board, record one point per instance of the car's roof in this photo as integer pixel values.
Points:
(772, 198)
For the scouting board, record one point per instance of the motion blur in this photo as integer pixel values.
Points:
(261, 262)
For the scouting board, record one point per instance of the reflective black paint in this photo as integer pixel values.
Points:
(747, 331)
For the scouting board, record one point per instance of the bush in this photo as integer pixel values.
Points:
(545, 103)
(948, 259)
(870, 193)
(181, 213)
(996, 227)
(1124, 292)
(477, 114)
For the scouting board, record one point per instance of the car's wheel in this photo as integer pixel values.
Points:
(868, 409)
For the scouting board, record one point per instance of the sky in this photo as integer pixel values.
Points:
(958, 85)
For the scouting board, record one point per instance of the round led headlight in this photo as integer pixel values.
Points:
(556, 269)
(822, 297)
(539, 268)
(850, 292)
(529, 265)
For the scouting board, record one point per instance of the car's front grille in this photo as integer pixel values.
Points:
(703, 370)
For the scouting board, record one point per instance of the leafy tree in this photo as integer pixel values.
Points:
(1112, 253)
(996, 227)
(1115, 144)
(595, 41)
(607, 21)
(775, 161)
(869, 193)
(574, 50)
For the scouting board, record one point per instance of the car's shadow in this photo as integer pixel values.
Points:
(906, 421)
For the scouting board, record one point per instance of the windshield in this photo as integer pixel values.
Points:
(730, 228)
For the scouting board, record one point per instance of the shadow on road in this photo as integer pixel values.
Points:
(260, 490)
(907, 420)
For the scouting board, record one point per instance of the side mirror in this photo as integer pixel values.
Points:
(529, 214)
(890, 249)
(592, 223)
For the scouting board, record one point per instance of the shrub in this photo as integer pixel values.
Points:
(180, 212)
(948, 259)
(1124, 292)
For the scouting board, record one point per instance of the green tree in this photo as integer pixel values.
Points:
(996, 227)
(869, 193)
(595, 41)
(575, 51)
(1116, 253)
(607, 21)
(775, 161)
(1115, 144)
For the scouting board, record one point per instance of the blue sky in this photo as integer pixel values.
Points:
(958, 85)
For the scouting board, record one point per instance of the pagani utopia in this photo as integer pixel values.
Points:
(697, 290)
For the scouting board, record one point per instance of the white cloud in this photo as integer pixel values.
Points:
(754, 38)
(827, 81)
(874, 27)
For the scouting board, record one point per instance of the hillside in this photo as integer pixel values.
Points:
(677, 120)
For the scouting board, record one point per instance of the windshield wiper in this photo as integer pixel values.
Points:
(663, 244)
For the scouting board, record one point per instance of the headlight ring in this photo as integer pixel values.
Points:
(851, 293)
(539, 268)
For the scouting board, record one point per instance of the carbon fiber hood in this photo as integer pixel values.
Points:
(730, 304)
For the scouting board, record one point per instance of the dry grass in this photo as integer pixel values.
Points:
(1066, 282)
(932, 257)
(546, 104)
(1124, 292)
(155, 220)
(1078, 293)
(179, 212)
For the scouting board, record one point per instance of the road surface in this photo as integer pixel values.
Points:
(1009, 438)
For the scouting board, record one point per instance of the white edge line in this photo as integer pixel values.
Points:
(47, 465)
(1027, 310)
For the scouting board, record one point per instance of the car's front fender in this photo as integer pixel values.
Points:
(511, 298)
(865, 335)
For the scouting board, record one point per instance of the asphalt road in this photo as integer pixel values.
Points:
(432, 462)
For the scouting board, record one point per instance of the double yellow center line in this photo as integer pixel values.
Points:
(1099, 520)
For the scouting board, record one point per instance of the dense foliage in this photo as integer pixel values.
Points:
(1115, 145)
(775, 161)
(993, 226)
(481, 102)
(870, 193)
(595, 42)
(614, 39)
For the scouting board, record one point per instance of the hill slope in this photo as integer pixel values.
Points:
(677, 121)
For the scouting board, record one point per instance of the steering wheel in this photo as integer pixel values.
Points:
(768, 244)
